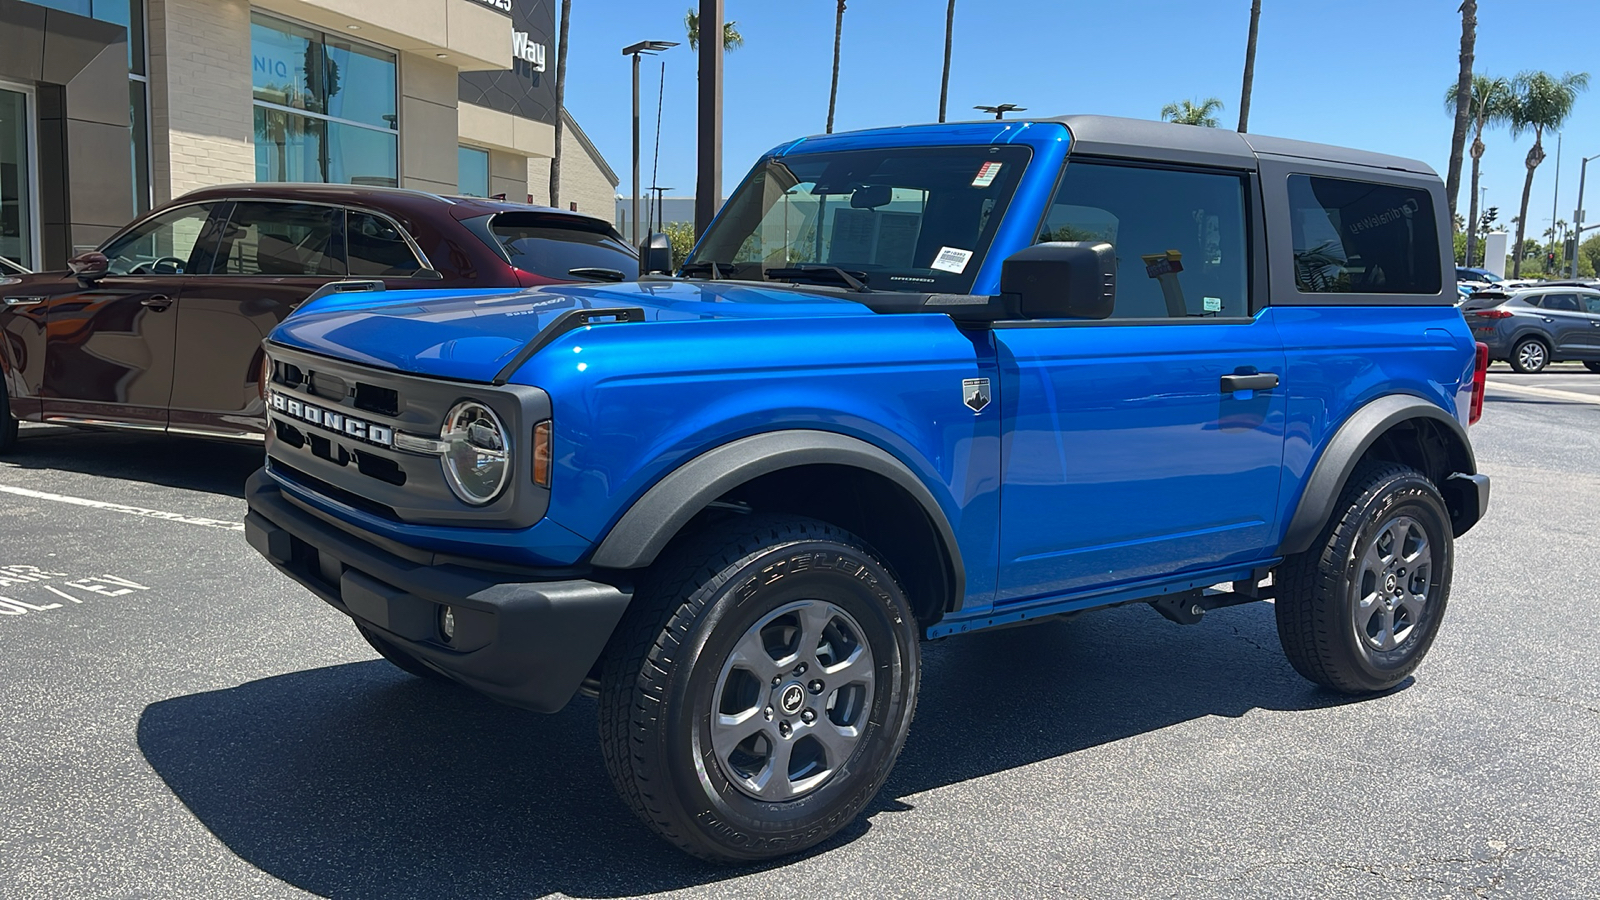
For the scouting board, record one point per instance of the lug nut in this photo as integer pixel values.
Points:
(784, 729)
(808, 716)
(767, 713)
(799, 670)
(816, 686)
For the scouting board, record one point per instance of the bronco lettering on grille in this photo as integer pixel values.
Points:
(337, 422)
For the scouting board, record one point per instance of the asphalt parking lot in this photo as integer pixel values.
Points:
(180, 721)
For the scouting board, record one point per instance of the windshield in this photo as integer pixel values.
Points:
(898, 219)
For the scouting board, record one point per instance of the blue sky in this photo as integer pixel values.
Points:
(1362, 73)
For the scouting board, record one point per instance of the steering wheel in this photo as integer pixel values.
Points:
(154, 267)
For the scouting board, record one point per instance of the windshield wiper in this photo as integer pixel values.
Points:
(711, 269)
(598, 273)
(822, 274)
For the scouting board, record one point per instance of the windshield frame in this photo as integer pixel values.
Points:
(1019, 158)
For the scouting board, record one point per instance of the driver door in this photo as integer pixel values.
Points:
(109, 347)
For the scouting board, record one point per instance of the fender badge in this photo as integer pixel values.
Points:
(975, 393)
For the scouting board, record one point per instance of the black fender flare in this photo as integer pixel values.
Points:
(662, 511)
(1354, 438)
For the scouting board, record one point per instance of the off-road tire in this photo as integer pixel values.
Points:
(401, 659)
(8, 423)
(1593, 367)
(661, 673)
(1532, 363)
(1316, 602)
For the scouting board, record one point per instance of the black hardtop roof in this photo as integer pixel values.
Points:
(1147, 139)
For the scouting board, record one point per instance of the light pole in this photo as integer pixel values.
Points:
(708, 140)
(1001, 110)
(635, 51)
(1577, 214)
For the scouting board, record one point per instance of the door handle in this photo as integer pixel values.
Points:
(1265, 381)
(157, 303)
(1547, 318)
(35, 301)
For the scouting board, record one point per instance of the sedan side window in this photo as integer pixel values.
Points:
(1591, 303)
(1561, 302)
(377, 248)
(177, 242)
(282, 239)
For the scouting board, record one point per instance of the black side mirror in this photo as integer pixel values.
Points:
(89, 267)
(1061, 280)
(655, 255)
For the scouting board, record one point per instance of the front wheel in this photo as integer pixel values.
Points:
(1358, 610)
(756, 695)
(1530, 356)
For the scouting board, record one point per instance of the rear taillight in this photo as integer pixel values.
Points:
(1480, 379)
(1492, 313)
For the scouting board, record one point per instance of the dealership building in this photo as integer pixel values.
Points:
(108, 107)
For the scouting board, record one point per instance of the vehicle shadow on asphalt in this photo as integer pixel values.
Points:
(357, 781)
(191, 464)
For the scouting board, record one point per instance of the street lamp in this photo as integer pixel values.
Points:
(635, 51)
(1001, 110)
(1577, 215)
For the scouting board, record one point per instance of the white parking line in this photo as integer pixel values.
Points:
(1573, 396)
(122, 508)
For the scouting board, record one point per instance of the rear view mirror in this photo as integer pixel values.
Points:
(871, 196)
(90, 266)
(1061, 280)
(655, 255)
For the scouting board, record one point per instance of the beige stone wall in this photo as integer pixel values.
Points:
(582, 181)
(201, 125)
(428, 124)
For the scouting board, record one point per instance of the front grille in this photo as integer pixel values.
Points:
(333, 436)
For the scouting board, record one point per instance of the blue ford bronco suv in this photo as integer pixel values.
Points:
(912, 383)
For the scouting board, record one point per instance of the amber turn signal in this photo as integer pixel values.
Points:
(541, 454)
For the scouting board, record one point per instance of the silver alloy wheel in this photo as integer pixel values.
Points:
(792, 700)
(1531, 355)
(1392, 584)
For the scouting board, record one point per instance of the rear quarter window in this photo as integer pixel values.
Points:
(1362, 237)
(554, 246)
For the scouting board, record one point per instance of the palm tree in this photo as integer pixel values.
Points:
(1185, 112)
(731, 38)
(561, 96)
(1490, 104)
(944, 82)
(1249, 66)
(1540, 101)
(1462, 106)
(833, 92)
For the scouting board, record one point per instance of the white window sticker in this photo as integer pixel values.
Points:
(986, 174)
(1213, 304)
(951, 259)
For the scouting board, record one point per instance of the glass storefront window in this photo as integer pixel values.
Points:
(472, 172)
(325, 107)
(16, 179)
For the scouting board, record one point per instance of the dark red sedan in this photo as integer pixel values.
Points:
(161, 329)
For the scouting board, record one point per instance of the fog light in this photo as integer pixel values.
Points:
(447, 624)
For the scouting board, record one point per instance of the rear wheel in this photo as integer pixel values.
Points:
(759, 690)
(1530, 356)
(401, 659)
(1358, 610)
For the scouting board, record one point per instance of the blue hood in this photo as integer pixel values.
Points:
(469, 335)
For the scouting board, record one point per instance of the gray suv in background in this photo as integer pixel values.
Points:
(1533, 327)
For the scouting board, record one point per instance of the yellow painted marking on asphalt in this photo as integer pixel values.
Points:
(122, 508)
(1552, 393)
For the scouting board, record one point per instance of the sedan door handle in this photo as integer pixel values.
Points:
(1266, 381)
(157, 303)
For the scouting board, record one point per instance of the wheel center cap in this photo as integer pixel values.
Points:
(791, 698)
(1390, 584)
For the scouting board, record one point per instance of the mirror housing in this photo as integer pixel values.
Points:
(89, 267)
(655, 255)
(1061, 280)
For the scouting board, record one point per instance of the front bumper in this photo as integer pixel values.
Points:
(1467, 497)
(518, 638)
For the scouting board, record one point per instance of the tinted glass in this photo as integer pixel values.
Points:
(1560, 302)
(1359, 237)
(175, 242)
(286, 64)
(1591, 303)
(361, 156)
(1180, 237)
(360, 84)
(288, 147)
(282, 239)
(552, 250)
(472, 172)
(376, 247)
(901, 219)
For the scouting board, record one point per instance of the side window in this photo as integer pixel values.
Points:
(177, 242)
(1180, 236)
(377, 248)
(1561, 302)
(1360, 237)
(1591, 303)
(282, 239)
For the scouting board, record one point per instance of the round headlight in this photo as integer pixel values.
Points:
(477, 456)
